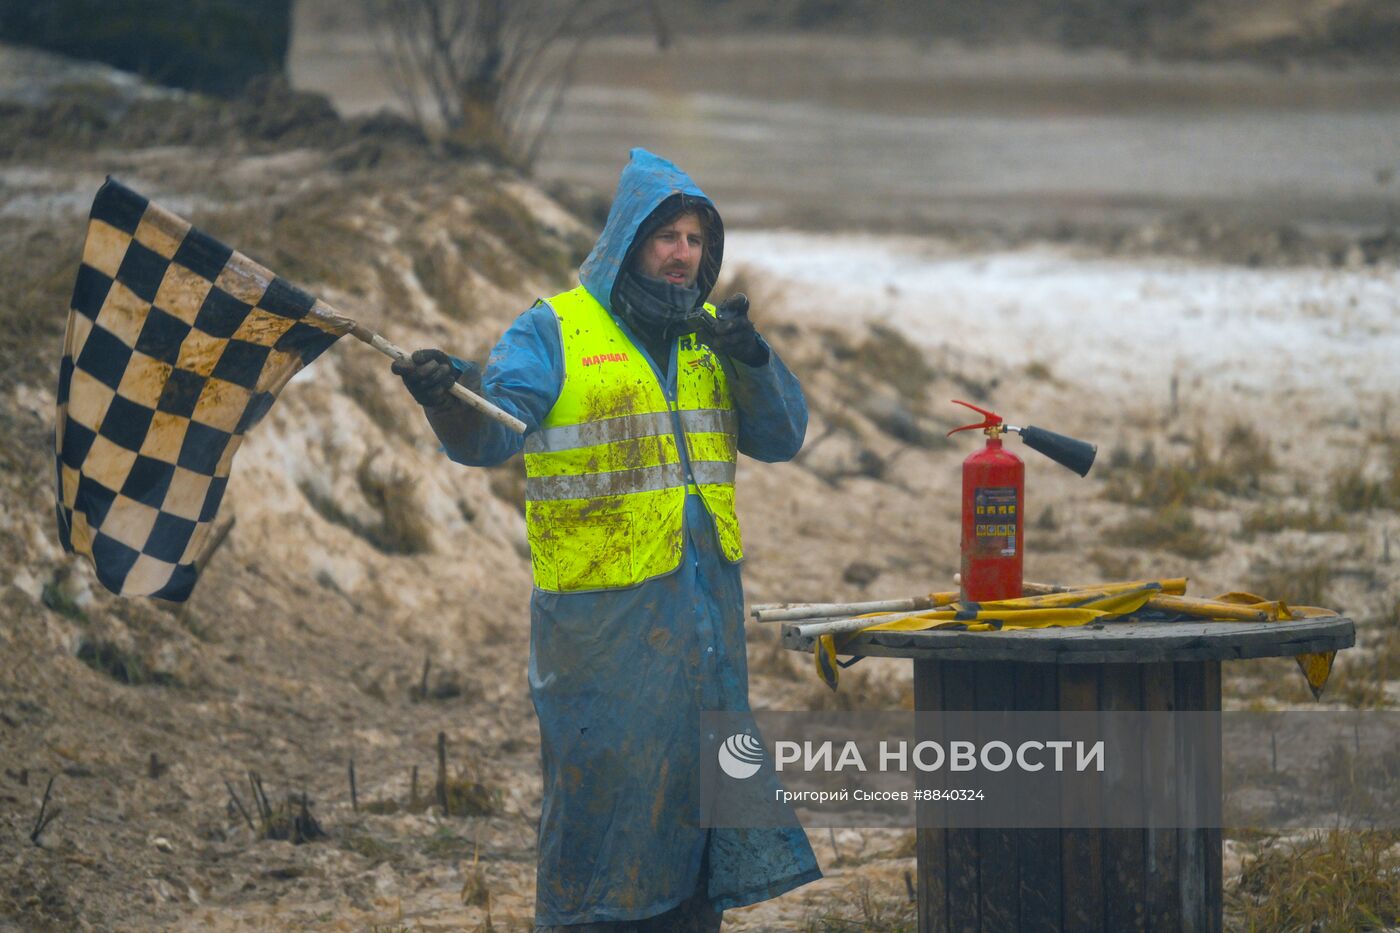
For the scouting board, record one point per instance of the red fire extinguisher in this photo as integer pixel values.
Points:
(994, 507)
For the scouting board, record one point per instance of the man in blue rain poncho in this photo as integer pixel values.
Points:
(637, 396)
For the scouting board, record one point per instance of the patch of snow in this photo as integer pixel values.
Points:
(1109, 323)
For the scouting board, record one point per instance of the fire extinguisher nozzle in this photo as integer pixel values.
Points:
(1068, 452)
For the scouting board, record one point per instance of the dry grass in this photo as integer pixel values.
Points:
(906, 847)
(1299, 583)
(1169, 528)
(1361, 674)
(469, 796)
(315, 240)
(862, 689)
(401, 526)
(1359, 682)
(763, 295)
(38, 268)
(867, 909)
(1265, 683)
(441, 270)
(370, 385)
(1336, 881)
(125, 667)
(768, 657)
(311, 240)
(1354, 491)
(476, 891)
(885, 376)
(56, 597)
(444, 845)
(886, 356)
(1115, 564)
(381, 807)
(1271, 519)
(291, 820)
(887, 380)
(1202, 477)
(369, 847)
(1157, 486)
(517, 242)
(1039, 371)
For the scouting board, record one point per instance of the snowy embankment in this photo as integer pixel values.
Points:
(1113, 325)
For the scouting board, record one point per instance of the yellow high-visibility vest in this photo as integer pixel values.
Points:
(606, 475)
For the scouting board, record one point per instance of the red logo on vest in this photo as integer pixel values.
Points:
(605, 358)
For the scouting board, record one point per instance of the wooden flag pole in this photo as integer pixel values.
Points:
(802, 612)
(846, 626)
(360, 332)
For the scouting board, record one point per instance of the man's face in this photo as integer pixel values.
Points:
(674, 251)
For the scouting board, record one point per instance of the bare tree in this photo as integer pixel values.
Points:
(493, 73)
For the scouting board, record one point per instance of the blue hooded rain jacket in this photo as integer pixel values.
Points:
(620, 677)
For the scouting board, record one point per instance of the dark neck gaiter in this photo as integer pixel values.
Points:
(655, 309)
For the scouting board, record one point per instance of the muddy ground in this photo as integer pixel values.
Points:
(372, 596)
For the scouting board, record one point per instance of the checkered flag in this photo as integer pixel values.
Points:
(176, 346)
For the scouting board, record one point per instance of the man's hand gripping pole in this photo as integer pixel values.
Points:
(360, 332)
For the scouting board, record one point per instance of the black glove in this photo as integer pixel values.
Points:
(732, 333)
(429, 375)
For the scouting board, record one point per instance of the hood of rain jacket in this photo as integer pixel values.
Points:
(646, 181)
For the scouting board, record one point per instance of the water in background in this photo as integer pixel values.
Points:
(834, 132)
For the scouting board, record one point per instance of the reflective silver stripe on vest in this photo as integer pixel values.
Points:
(595, 485)
(709, 472)
(592, 433)
(709, 421)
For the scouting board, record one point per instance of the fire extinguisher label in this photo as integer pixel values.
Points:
(995, 517)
